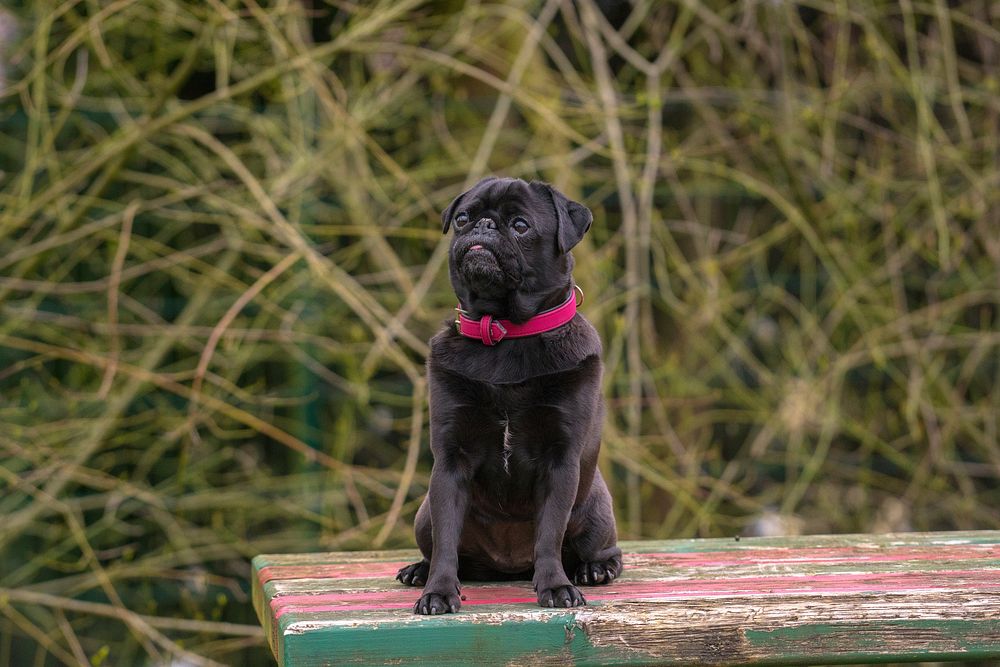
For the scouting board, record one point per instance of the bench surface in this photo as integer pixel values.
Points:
(789, 600)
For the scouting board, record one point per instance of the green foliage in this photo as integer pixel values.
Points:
(220, 261)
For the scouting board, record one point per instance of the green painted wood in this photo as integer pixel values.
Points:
(800, 600)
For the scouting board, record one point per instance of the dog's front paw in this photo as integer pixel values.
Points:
(598, 572)
(438, 602)
(415, 574)
(561, 596)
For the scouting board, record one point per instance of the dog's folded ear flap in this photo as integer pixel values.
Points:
(573, 218)
(449, 213)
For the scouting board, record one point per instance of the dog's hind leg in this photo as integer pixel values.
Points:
(590, 555)
(415, 574)
(603, 568)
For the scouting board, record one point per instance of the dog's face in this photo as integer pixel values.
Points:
(510, 253)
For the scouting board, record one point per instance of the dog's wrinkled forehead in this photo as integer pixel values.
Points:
(504, 196)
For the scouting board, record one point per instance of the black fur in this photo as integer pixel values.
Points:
(515, 428)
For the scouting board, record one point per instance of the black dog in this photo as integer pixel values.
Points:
(515, 424)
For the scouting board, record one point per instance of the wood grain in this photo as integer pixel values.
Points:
(817, 599)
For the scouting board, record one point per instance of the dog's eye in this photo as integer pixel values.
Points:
(462, 218)
(520, 225)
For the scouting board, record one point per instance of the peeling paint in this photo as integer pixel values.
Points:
(743, 630)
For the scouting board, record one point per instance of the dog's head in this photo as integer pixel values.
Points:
(510, 253)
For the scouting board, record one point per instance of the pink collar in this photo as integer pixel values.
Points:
(491, 331)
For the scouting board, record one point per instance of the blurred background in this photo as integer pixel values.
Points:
(221, 259)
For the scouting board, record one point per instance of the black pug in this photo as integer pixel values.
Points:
(516, 415)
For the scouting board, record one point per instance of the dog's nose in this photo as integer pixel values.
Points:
(489, 223)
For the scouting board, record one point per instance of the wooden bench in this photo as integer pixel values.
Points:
(795, 600)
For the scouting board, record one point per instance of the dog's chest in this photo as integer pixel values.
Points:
(520, 442)
(514, 434)
(507, 445)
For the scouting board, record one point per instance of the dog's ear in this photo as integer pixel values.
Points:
(572, 218)
(449, 213)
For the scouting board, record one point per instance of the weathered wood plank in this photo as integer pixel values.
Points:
(829, 599)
